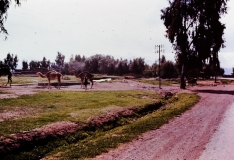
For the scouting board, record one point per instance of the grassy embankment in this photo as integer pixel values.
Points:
(49, 107)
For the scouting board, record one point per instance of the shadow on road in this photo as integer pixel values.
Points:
(214, 91)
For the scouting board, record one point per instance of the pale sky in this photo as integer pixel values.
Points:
(122, 28)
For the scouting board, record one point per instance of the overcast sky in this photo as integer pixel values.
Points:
(122, 28)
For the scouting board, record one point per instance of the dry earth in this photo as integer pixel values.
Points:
(185, 137)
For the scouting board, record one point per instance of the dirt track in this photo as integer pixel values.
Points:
(185, 137)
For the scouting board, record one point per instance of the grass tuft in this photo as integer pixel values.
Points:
(156, 82)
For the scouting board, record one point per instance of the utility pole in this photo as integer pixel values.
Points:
(158, 49)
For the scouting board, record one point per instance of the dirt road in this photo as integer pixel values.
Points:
(197, 134)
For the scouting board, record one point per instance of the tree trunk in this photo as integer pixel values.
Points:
(182, 79)
(182, 82)
(215, 76)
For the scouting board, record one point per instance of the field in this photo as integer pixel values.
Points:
(111, 113)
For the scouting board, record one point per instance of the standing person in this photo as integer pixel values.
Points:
(85, 81)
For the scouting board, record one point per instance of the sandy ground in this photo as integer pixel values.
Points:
(204, 132)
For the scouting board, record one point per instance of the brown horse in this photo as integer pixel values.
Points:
(6, 72)
(51, 75)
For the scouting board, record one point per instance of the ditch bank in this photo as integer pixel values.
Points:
(28, 140)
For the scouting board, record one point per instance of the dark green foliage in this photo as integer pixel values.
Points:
(168, 70)
(4, 6)
(34, 64)
(45, 63)
(59, 61)
(66, 69)
(24, 64)
(38, 64)
(137, 66)
(122, 67)
(195, 31)
(92, 63)
(11, 61)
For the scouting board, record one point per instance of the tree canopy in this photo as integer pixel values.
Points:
(4, 6)
(60, 60)
(195, 31)
(10, 62)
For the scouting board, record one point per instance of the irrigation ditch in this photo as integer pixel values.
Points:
(37, 143)
(16, 143)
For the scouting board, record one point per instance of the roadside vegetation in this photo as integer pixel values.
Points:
(226, 81)
(48, 107)
(156, 82)
(3, 92)
(77, 107)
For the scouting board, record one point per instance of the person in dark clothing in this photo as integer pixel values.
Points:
(85, 82)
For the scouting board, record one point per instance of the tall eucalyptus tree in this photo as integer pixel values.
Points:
(195, 31)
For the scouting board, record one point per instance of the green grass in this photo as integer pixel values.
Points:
(48, 107)
(34, 80)
(156, 82)
(225, 81)
(3, 92)
(87, 144)
(23, 80)
(103, 141)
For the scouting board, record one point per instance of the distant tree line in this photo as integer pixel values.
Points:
(97, 64)
(10, 62)
(107, 64)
